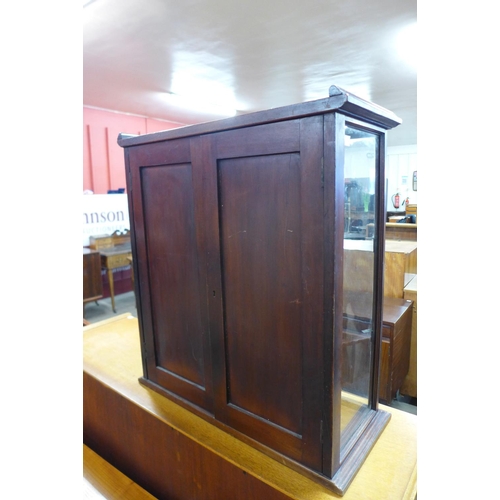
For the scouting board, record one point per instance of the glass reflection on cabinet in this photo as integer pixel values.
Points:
(359, 223)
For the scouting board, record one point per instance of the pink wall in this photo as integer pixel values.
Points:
(103, 164)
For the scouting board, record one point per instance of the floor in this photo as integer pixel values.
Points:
(125, 303)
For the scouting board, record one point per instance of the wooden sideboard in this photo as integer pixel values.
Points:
(400, 265)
(400, 270)
(398, 231)
(395, 354)
(92, 282)
(396, 336)
(115, 258)
(409, 387)
(116, 252)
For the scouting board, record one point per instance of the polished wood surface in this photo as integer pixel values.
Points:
(237, 240)
(107, 241)
(178, 357)
(170, 451)
(400, 265)
(103, 481)
(395, 231)
(341, 101)
(235, 213)
(396, 341)
(409, 387)
(92, 282)
(272, 279)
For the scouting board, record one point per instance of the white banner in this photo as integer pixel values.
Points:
(104, 214)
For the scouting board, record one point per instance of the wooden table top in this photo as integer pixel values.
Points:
(111, 352)
(391, 246)
(402, 225)
(116, 250)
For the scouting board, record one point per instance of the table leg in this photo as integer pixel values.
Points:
(111, 289)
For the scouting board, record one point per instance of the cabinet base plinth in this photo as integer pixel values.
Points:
(347, 471)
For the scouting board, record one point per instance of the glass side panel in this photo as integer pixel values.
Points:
(359, 258)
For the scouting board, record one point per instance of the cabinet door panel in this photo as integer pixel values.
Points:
(270, 212)
(170, 274)
(174, 281)
(261, 236)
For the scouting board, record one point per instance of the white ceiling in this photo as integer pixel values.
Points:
(258, 53)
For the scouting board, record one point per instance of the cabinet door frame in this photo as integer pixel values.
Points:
(304, 136)
(176, 153)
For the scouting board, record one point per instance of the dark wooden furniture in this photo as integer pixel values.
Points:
(115, 251)
(172, 453)
(409, 387)
(396, 344)
(238, 231)
(92, 282)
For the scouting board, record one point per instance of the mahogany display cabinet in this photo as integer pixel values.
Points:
(238, 230)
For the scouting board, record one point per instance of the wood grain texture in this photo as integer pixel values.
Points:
(103, 481)
(167, 237)
(409, 387)
(270, 206)
(92, 282)
(395, 348)
(262, 316)
(239, 283)
(395, 231)
(230, 274)
(170, 236)
(400, 265)
(175, 454)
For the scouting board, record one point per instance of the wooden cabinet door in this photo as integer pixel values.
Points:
(169, 239)
(265, 214)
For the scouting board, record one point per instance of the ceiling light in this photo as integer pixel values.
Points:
(203, 82)
(199, 104)
(407, 44)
